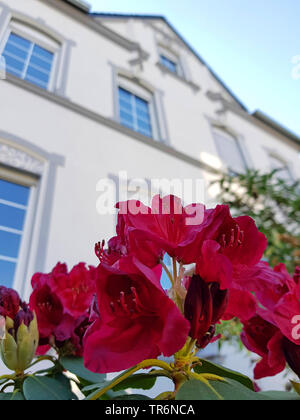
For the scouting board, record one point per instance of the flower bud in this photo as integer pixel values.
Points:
(198, 308)
(292, 355)
(20, 340)
(205, 304)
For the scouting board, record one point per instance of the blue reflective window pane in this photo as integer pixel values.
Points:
(14, 65)
(125, 95)
(143, 115)
(141, 104)
(40, 64)
(169, 64)
(12, 217)
(12, 49)
(19, 41)
(126, 105)
(144, 126)
(126, 116)
(14, 193)
(43, 54)
(34, 74)
(7, 273)
(9, 244)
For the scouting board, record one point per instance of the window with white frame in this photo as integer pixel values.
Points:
(230, 151)
(17, 192)
(14, 201)
(282, 168)
(30, 54)
(135, 112)
(171, 61)
(169, 64)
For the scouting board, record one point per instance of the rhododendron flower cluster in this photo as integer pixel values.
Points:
(118, 316)
(137, 319)
(273, 332)
(61, 301)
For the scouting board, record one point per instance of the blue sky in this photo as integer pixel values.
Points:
(248, 43)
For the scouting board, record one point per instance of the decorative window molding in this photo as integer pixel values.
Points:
(141, 88)
(18, 159)
(27, 165)
(39, 35)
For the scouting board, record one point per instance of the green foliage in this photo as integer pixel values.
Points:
(228, 391)
(274, 204)
(42, 388)
(210, 367)
(75, 365)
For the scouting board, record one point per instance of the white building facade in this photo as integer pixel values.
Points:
(87, 96)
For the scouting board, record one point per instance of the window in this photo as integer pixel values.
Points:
(283, 171)
(14, 200)
(135, 113)
(169, 64)
(28, 61)
(230, 151)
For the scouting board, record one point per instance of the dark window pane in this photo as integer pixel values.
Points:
(7, 273)
(12, 217)
(9, 244)
(14, 193)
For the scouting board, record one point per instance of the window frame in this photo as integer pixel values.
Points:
(135, 113)
(240, 148)
(36, 41)
(144, 94)
(163, 57)
(31, 181)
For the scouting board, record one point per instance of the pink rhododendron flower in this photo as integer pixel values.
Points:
(137, 319)
(9, 302)
(61, 301)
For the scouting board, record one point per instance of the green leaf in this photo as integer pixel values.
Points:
(42, 388)
(209, 367)
(12, 396)
(75, 365)
(133, 397)
(195, 391)
(228, 391)
(279, 396)
(138, 381)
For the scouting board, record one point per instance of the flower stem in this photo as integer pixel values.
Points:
(167, 272)
(143, 365)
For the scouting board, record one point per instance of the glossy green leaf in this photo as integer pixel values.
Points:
(76, 366)
(12, 396)
(138, 381)
(42, 388)
(209, 367)
(280, 396)
(228, 391)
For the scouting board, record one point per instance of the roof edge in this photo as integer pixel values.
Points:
(261, 116)
(80, 4)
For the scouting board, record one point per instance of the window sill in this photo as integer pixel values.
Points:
(165, 70)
